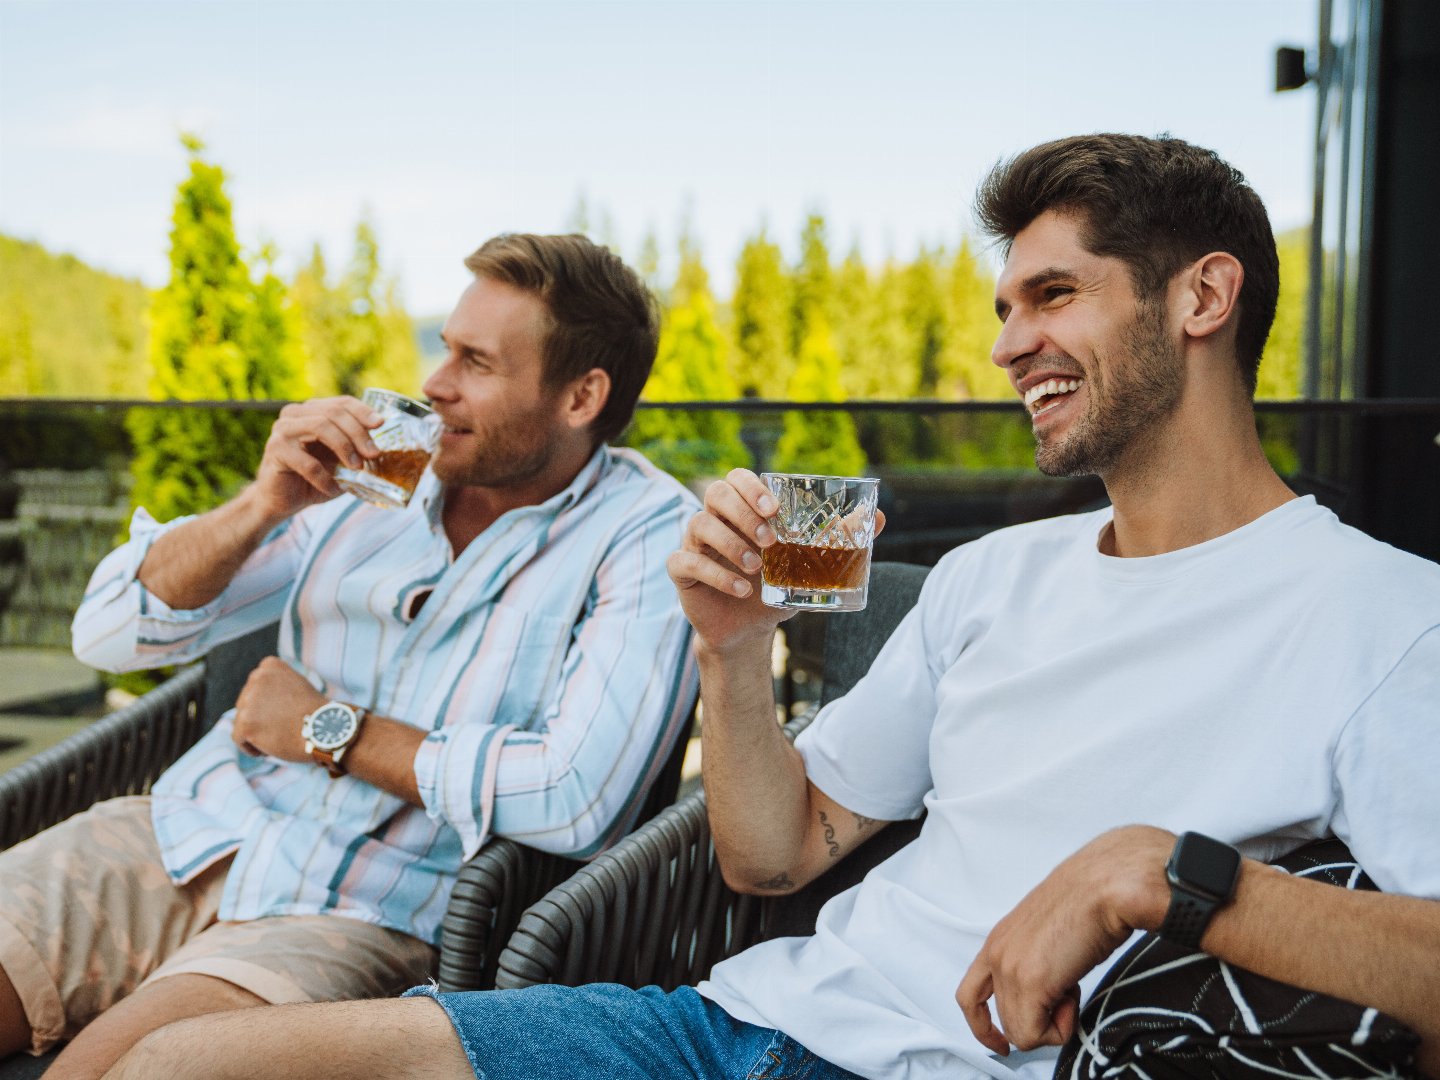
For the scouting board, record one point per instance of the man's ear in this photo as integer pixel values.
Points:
(585, 397)
(1210, 293)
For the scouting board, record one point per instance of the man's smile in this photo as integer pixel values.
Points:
(1044, 396)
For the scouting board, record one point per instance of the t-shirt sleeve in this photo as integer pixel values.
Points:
(870, 750)
(1387, 768)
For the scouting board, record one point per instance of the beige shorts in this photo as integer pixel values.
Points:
(88, 914)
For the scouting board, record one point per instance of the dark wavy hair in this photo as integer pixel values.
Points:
(1157, 204)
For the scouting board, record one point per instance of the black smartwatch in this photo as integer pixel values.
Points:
(1202, 873)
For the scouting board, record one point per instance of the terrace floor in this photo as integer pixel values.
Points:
(45, 695)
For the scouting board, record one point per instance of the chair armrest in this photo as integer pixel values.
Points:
(654, 909)
(491, 892)
(119, 754)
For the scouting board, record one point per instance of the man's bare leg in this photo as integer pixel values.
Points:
(120, 1027)
(394, 1039)
(14, 1027)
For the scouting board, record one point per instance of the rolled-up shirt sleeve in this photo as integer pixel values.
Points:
(573, 783)
(121, 626)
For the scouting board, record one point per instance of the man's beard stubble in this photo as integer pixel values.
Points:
(1140, 389)
(509, 457)
(502, 473)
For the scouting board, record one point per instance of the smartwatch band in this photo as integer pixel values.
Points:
(1202, 873)
(1187, 918)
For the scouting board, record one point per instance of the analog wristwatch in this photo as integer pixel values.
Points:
(1202, 873)
(328, 733)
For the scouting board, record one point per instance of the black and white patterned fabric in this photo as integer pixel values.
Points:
(1164, 1011)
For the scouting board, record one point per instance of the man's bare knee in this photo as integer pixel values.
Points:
(152, 1007)
(170, 1043)
(391, 1039)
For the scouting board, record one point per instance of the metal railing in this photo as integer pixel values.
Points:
(950, 471)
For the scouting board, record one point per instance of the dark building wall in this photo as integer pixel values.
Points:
(1404, 359)
(1399, 460)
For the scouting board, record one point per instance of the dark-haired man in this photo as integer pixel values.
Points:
(506, 654)
(1210, 653)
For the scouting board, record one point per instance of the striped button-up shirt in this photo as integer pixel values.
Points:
(549, 663)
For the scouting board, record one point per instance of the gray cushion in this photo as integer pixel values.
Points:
(25, 1067)
(852, 638)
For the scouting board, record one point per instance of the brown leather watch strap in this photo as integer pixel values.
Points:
(326, 760)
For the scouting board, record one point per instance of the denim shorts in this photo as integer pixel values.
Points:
(610, 1031)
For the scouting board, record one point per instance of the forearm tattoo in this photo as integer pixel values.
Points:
(779, 881)
(830, 836)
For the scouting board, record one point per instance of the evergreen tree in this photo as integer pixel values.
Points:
(203, 324)
(818, 442)
(320, 310)
(924, 322)
(892, 367)
(887, 370)
(970, 332)
(854, 323)
(690, 366)
(356, 331)
(647, 263)
(692, 280)
(123, 331)
(812, 294)
(1282, 363)
(760, 309)
(359, 348)
(399, 367)
(274, 345)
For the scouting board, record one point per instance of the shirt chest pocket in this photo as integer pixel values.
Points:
(519, 664)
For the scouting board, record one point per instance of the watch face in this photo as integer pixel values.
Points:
(331, 725)
(1203, 865)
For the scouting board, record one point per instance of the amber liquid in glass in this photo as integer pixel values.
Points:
(400, 467)
(800, 566)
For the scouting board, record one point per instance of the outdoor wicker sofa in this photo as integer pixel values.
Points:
(123, 754)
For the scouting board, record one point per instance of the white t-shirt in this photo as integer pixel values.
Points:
(1274, 685)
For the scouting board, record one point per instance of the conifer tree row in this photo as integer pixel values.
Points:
(356, 332)
(690, 365)
(815, 330)
(215, 335)
(807, 327)
(219, 331)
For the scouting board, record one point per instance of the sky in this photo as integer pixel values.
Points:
(448, 121)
